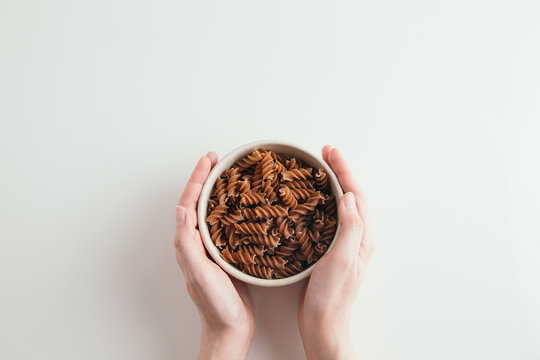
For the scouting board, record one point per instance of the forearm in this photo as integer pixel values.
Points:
(224, 344)
(327, 344)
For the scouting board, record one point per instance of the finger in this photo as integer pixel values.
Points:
(348, 181)
(213, 158)
(343, 172)
(325, 152)
(352, 226)
(188, 251)
(193, 188)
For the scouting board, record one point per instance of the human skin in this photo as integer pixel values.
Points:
(325, 302)
(223, 303)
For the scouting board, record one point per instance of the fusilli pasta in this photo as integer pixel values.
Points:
(272, 215)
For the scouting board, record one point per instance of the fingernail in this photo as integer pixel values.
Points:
(349, 200)
(180, 215)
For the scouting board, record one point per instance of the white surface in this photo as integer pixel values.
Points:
(105, 106)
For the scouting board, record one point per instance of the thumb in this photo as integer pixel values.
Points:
(352, 226)
(184, 241)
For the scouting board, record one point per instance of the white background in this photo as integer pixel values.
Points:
(106, 106)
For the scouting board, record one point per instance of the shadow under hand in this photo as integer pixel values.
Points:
(276, 334)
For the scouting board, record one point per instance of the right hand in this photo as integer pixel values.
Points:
(327, 298)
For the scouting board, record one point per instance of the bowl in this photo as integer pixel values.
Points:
(228, 161)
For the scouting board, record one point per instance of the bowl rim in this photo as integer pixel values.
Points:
(202, 205)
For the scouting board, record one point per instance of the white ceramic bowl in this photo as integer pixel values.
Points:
(228, 161)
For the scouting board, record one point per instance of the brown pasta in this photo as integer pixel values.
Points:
(287, 197)
(297, 174)
(251, 228)
(260, 271)
(272, 215)
(300, 184)
(252, 198)
(269, 211)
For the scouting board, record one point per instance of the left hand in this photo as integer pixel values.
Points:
(224, 304)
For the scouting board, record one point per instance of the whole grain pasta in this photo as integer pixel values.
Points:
(272, 215)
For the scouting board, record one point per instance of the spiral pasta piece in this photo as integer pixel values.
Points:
(232, 184)
(292, 164)
(249, 214)
(286, 250)
(306, 207)
(284, 227)
(270, 211)
(274, 231)
(212, 203)
(301, 193)
(243, 186)
(300, 184)
(293, 268)
(259, 271)
(314, 235)
(250, 160)
(297, 256)
(319, 215)
(232, 218)
(266, 240)
(256, 181)
(268, 189)
(216, 234)
(330, 205)
(297, 174)
(268, 167)
(221, 190)
(287, 197)
(317, 225)
(280, 168)
(217, 214)
(255, 250)
(227, 256)
(328, 231)
(251, 228)
(306, 247)
(321, 179)
(274, 156)
(273, 262)
(320, 249)
(234, 240)
(243, 256)
(252, 198)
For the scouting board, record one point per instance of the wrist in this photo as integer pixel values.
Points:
(327, 342)
(225, 342)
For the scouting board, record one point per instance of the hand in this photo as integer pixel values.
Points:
(326, 300)
(224, 304)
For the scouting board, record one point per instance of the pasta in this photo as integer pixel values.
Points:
(272, 215)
